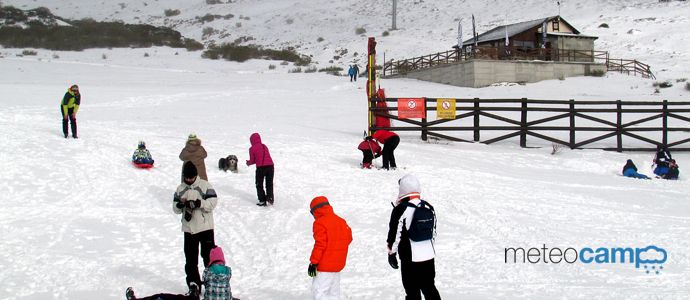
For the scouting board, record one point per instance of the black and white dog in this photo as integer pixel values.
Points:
(228, 163)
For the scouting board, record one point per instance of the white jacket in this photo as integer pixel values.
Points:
(202, 218)
(421, 251)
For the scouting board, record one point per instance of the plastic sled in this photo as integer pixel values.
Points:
(143, 166)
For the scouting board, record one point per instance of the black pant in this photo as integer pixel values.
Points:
(368, 156)
(164, 296)
(191, 253)
(388, 148)
(267, 173)
(71, 119)
(419, 276)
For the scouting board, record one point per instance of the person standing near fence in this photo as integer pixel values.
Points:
(390, 141)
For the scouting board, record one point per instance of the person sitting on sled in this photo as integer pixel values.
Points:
(672, 172)
(142, 156)
(370, 150)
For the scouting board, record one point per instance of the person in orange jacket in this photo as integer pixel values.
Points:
(332, 237)
(390, 141)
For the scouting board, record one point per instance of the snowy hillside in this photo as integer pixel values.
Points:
(81, 223)
(652, 32)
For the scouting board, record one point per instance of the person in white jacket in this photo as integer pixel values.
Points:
(416, 257)
(195, 199)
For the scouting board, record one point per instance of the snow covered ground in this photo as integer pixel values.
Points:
(81, 223)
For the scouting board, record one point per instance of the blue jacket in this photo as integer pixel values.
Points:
(351, 71)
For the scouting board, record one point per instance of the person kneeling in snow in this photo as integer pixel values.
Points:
(332, 237)
(142, 155)
(630, 170)
(673, 171)
(370, 150)
(216, 282)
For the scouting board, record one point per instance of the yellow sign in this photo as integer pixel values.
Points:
(445, 109)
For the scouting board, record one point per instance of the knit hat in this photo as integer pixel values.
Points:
(409, 186)
(189, 170)
(317, 203)
(216, 255)
(192, 137)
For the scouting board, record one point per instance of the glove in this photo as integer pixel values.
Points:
(393, 261)
(180, 204)
(194, 204)
(311, 271)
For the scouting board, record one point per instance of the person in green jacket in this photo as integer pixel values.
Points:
(69, 107)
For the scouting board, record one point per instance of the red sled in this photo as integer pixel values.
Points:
(143, 166)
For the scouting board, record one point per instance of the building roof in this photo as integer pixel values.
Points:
(499, 33)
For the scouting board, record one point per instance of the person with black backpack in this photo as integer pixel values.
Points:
(411, 234)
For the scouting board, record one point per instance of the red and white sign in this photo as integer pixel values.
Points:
(411, 108)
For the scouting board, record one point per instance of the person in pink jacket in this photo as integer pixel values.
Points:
(259, 155)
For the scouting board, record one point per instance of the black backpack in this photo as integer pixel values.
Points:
(423, 222)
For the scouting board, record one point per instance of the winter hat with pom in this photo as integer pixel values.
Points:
(216, 256)
(189, 170)
(409, 186)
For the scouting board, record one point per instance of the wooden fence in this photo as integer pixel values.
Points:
(630, 67)
(605, 119)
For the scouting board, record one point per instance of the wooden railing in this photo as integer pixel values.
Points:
(630, 67)
(604, 119)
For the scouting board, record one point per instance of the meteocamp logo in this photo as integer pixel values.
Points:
(650, 259)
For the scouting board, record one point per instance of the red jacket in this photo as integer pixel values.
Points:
(383, 135)
(258, 152)
(370, 146)
(332, 237)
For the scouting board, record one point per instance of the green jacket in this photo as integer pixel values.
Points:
(70, 100)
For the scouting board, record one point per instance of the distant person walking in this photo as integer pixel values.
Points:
(332, 237)
(69, 107)
(411, 233)
(356, 69)
(259, 155)
(351, 72)
(390, 141)
(194, 152)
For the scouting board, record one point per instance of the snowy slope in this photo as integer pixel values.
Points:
(652, 32)
(81, 223)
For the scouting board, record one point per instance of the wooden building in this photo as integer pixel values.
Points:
(553, 33)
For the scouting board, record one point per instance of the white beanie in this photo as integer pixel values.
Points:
(409, 186)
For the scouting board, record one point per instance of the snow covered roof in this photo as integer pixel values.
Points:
(499, 33)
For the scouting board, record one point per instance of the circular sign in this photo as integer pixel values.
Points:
(411, 104)
(446, 104)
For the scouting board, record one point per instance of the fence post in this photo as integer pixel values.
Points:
(619, 128)
(664, 114)
(476, 119)
(523, 123)
(424, 126)
(572, 123)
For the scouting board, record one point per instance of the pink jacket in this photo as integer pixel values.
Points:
(258, 152)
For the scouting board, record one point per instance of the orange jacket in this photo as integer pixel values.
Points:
(332, 237)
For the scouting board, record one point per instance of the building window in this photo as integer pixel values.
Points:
(554, 25)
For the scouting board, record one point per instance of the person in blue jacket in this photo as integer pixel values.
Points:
(630, 170)
(351, 72)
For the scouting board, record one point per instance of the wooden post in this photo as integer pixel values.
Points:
(619, 127)
(664, 114)
(523, 123)
(572, 123)
(476, 119)
(424, 126)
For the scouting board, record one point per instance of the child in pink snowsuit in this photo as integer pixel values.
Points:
(370, 150)
(259, 155)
